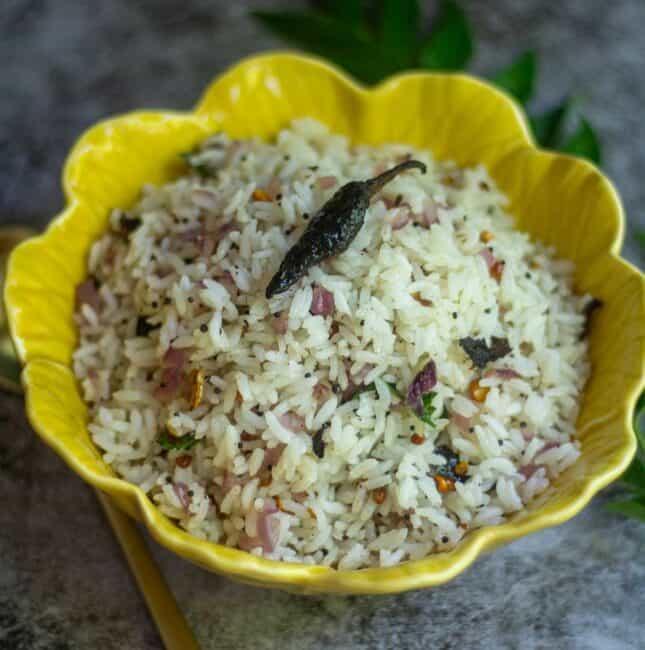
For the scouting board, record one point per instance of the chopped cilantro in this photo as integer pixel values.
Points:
(168, 442)
(428, 408)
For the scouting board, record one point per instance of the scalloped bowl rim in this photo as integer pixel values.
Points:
(314, 578)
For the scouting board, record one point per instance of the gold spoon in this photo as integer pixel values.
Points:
(172, 626)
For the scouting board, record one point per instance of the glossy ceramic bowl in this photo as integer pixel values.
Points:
(560, 200)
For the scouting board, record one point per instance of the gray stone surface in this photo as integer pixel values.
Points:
(63, 582)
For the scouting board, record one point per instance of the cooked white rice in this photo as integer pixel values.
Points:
(401, 297)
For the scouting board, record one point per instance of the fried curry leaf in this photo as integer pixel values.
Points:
(128, 224)
(318, 444)
(168, 442)
(480, 353)
(144, 327)
(453, 469)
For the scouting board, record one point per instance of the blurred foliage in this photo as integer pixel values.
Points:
(373, 40)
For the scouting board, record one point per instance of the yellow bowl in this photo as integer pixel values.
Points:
(563, 201)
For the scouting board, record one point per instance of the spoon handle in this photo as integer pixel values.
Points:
(172, 626)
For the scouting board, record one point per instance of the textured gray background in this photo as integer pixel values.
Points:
(63, 582)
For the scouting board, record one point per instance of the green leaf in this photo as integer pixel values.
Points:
(348, 11)
(518, 79)
(584, 143)
(399, 29)
(640, 236)
(632, 508)
(635, 474)
(428, 408)
(346, 45)
(639, 416)
(10, 369)
(547, 127)
(394, 390)
(168, 442)
(450, 45)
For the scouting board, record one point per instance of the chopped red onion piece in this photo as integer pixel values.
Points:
(204, 198)
(400, 219)
(548, 446)
(87, 294)
(225, 228)
(175, 358)
(272, 456)
(394, 203)
(268, 526)
(488, 257)
(273, 188)
(206, 246)
(172, 373)
(528, 470)
(226, 279)
(191, 234)
(292, 421)
(326, 182)
(171, 380)
(181, 490)
(428, 215)
(231, 480)
(322, 302)
(321, 391)
(349, 391)
(503, 373)
(354, 381)
(363, 372)
(462, 423)
(248, 543)
(280, 324)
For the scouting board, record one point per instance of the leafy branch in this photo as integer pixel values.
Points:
(375, 40)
